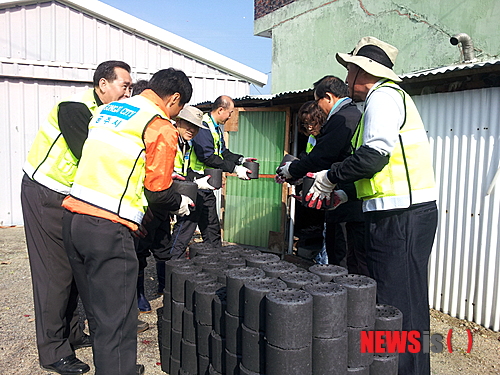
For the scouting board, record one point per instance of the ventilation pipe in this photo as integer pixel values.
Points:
(467, 46)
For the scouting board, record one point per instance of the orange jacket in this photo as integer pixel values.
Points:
(160, 139)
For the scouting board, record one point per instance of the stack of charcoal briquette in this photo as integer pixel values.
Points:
(233, 310)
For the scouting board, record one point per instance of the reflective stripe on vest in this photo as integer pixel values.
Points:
(197, 165)
(50, 161)
(408, 178)
(182, 157)
(112, 169)
(311, 142)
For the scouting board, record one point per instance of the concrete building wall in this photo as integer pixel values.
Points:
(307, 33)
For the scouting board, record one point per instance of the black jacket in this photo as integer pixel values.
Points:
(333, 143)
(203, 145)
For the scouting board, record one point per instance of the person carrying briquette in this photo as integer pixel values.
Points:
(393, 173)
(188, 123)
(333, 144)
(126, 165)
(210, 151)
(49, 172)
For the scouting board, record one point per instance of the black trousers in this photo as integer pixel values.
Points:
(205, 217)
(102, 255)
(356, 251)
(335, 243)
(399, 244)
(155, 242)
(55, 294)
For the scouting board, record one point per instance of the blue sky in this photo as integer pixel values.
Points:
(224, 26)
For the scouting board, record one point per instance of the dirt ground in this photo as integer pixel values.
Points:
(18, 353)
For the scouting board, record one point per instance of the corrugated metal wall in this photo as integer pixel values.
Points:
(464, 130)
(53, 41)
(25, 103)
(47, 52)
(253, 208)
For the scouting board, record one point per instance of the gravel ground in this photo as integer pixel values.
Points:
(18, 353)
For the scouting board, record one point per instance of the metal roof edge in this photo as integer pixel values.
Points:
(449, 68)
(273, 96)
(158, 34)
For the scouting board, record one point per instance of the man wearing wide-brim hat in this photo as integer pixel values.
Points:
(158, 238)
(394, 177)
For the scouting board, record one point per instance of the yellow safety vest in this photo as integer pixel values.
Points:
(112, 169)
(197, 165)
(311, 142)
(182, 159)
(408, 178)
(50, 162)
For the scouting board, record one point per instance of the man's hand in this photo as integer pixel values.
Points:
(148, 216)
(242, 172)
(283, 172)
(203, 183)
(140, 232)
(177, 176)
(249, 159)
(183, 210)
(320, 190)
(279, 180)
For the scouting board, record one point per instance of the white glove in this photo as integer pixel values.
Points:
(203, 183)
(321, 189)
(184, 208)
(339, 197)
(242, 172)
(283, 170)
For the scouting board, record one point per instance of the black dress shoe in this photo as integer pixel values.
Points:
(69, 365)
(140, 369)
(85, 342)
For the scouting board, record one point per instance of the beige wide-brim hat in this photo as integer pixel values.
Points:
(192, 115)
(373, 56)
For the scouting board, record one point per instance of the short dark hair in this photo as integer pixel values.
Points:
(106, 70)
(139, 86)
(167, 82)
(223, 101)
(331, 84)
(310, 113)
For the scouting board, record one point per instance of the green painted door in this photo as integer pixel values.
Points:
(253, 208)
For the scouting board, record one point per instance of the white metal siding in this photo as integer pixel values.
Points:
(53, 41)
(49, 51)
(24, 105)
(464, 130)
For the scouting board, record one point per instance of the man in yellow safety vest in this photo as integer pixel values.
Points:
(49, 173)
(394, 176)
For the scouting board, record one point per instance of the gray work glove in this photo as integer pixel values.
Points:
(339, 197)
(283, 172)
(320, 190)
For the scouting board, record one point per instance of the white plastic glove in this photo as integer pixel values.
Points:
(242, 172)
(184, 208)
(282, 171)
(321, 189)
(203, 183)
(339, 197)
